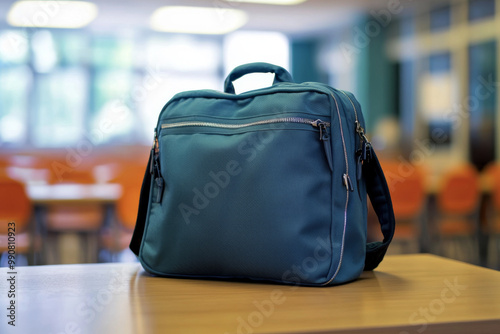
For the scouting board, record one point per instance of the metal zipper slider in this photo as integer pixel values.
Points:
(155, 169)
(347, 182)
(361, 132)
(365, 143)
(325, 138)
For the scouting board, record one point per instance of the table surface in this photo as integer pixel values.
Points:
(406, 294)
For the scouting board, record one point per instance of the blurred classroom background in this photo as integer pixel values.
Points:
(82, 84)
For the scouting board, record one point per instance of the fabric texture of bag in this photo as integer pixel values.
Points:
(270, 184)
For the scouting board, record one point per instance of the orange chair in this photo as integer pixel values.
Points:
(457, 217)
(4, 162)
(406, 185)
(16, 208)
(116, 238)
(26, 168)
(79, 218)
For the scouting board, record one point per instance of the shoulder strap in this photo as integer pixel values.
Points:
(135, 243)
(376, 187)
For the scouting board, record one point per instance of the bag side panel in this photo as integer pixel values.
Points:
(354, 250)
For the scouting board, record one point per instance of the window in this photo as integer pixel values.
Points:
(481, 9)
(482, 102)
(175, 64)
(15, 83)
(60, 97)
(440, 18)
(439, 91)
(59, 105)
(407, 25)
(440, 63)
(58, 87)
(111, 118)
(14, 47)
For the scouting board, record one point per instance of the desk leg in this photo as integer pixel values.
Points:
(108, 226)
(426, 225)
(39, 235)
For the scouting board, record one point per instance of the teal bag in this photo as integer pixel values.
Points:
(269, 184)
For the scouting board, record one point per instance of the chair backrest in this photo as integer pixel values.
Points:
(407, 187)
(15, 206)
(128, 204)
(71, 175)
(4, 162)
(491, 174)
(459, 192)
(129, 173)
(130, 178)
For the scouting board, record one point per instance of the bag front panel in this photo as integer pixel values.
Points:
(254, 203)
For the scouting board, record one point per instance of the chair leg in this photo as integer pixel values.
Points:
(51, 248)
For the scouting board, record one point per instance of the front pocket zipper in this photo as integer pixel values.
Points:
(315, 123)
(318, 123)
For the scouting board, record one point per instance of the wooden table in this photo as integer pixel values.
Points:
(406, 294)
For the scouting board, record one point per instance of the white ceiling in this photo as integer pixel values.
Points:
(310, 17)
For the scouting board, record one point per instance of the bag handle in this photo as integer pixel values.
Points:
(378, 191)
(280, 74)
(376, 187)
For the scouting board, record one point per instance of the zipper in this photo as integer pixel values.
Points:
(314, 123)
(364, 152)
(359, 129)
(353, 107)
(348, 185)
(346, 180)
(155, 169)
(323, 126)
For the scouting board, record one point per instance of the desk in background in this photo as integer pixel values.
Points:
(406, 294)
(68, 193)
(67, 247)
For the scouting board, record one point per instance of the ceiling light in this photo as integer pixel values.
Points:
(51, 14)
(197, 20)
(271, 2)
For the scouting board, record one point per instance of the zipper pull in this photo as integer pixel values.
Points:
(364, 153)
(156, 144)
(153, 154)
(156, 169)
(325, 138)
(347, 182)
(360, 131)
(367, 151)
